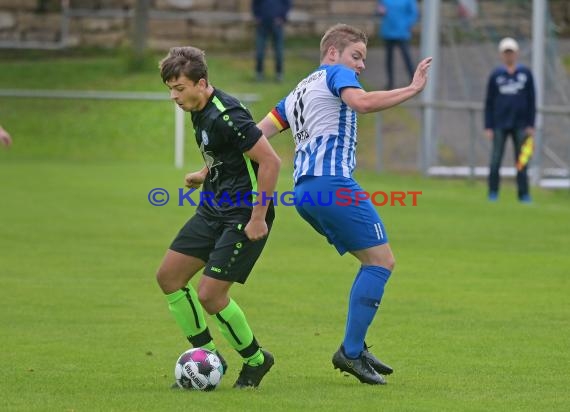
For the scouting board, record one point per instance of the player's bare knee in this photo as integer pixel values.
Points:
(211, 306)
(384, 260)
(212, 299)
(160, 279)
(390, 263)
(387, 260)
(167, 282)
(207, 299)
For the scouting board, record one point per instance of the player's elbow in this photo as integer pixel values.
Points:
(365, 108)
(358, 100)
(271, 162)
(276, 162)
(362, 105)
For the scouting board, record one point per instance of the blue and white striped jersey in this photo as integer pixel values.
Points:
(323, 126)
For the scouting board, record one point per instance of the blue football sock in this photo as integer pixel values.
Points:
(365, 297)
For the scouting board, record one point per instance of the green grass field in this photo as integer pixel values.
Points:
(476, 316)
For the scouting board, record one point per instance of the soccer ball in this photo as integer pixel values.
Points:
(198, 368)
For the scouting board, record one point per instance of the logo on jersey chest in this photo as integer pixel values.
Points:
(509, 85)
(205, 139)
(211, 162)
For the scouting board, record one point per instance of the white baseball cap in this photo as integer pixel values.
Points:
(508, 43)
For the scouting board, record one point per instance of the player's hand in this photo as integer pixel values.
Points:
(420, 76)
(194, 180)
(5, 138)
(529, 131)
(256, 229)
(489, 134)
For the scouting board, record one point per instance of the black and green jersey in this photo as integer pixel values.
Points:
(224, 130)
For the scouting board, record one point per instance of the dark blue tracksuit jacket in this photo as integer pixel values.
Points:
(268, 10)
(510, 102)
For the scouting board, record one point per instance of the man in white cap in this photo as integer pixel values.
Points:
(509, 111)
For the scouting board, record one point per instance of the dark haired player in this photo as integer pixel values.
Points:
(226, 236)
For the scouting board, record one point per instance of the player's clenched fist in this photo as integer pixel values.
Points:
(256, 229)
(195, 179)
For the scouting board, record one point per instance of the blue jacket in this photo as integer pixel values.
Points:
(400, 17)
(510, 101)
(269, 10)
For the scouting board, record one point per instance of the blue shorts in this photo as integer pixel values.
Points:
(348, 225)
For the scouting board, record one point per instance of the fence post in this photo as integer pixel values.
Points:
(64, 39)
(178, 137)
(140, 29)
(539, 8)
(430, 47)
(472, 137)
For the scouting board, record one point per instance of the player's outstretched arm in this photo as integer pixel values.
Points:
(269, 164)
(369, 102)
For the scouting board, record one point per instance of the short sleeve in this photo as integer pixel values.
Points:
(339, 77)
(238, 128)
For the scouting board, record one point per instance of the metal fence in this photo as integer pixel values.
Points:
(548, 168)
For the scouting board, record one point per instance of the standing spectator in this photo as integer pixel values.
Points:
(397, 19)
(5, 138)
(270, 17)
(509, 111)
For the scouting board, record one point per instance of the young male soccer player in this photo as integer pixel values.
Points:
(321, 112)
(226, 235)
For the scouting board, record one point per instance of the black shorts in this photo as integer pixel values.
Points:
(222, 244)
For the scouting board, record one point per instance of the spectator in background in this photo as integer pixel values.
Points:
(5, 138)
(397, 18)
(509, 111)
(270, 17)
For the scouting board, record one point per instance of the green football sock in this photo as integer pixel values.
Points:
(189, 315)
(234, 327)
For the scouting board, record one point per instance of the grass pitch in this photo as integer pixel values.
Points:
(475, 317)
